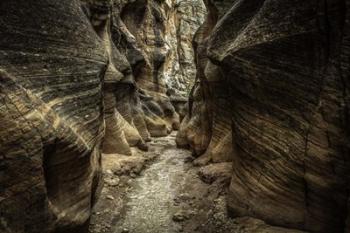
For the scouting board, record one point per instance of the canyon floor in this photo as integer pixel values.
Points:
(160, 191)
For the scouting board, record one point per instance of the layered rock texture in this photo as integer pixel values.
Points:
(78, 78)
(272, 96)
(52, 66)
(151, 60)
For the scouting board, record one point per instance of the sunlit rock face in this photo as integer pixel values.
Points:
(51, 109)
(142, 38)
(273, 96)
(163, 32)
(144, 95)
(182, 20)
(156, 37)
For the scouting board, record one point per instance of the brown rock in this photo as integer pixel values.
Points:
(213, 172)
(51, 64)
(274, 76)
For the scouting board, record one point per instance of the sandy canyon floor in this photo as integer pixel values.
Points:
(160, 191)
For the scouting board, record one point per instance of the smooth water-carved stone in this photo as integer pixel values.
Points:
(275, 75)
(52, 64)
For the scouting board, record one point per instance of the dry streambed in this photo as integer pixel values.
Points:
(160, 191)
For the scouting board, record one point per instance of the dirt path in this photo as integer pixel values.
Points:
(160, 191)
(139, 198)
(149, 208)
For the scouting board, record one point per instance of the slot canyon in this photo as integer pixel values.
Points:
(170, 116)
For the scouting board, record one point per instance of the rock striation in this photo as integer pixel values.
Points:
(144, 95)
(51, 69)
(272, 96)
(78, 79)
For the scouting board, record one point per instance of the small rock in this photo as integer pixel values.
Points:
(112, 181)
(109, 197)
(184, 197)
(143, 146)
(109, 172)
(210, 173)
(125, 230)
(179, 217)
(189, 159)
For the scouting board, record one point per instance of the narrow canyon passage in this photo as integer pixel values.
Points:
(150, 202)
(148, 205)
(98, 98)
(159, 191)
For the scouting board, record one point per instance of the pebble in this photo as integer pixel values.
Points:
(179, 217)
(110, 197)
(109, 172)
(112, 181)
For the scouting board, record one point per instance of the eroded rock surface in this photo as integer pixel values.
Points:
(79, 78)
(168, 196)
(272, 96)
(51, 109)
(150, 64)
(269, 105)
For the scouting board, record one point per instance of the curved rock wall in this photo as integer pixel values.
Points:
(147, 37)
(78, 78)
(273, 96)
(52, 115)
(163, 32)
(144, 97)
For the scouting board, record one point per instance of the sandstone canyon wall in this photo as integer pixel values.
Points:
(145, 39)
(272, 96)
(79, 78)
(52, 66)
